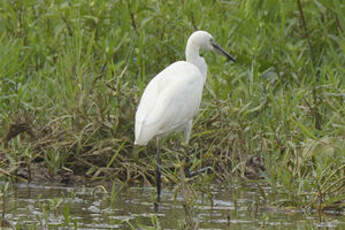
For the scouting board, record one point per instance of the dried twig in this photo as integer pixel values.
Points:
(317, 100)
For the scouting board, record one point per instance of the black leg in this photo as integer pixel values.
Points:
(185, 146)
(158, 172)
(199, 171)
(187, 164)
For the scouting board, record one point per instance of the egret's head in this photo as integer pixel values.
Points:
(204, 40)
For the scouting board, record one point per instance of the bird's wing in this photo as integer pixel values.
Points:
(170, 100)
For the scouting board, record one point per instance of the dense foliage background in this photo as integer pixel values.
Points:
(72, 73)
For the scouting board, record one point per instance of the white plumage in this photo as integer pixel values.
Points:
(172, 98)
(169, 103)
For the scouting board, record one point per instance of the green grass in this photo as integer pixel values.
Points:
(72, 73)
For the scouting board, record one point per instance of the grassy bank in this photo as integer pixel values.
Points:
(72, 73)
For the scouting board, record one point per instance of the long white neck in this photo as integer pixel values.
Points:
(192, 56)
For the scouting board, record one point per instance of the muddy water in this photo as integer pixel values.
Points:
(236, 207)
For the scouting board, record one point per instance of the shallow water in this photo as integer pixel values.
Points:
(235, 207)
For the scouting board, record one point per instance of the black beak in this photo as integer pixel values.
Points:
(221, 51)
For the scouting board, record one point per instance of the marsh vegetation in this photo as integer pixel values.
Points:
(72, 73)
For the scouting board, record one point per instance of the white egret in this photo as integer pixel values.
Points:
(172, 98)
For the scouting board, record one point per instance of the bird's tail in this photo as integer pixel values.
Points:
(139, 140)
